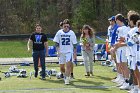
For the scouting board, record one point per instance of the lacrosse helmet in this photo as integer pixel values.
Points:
(58, 75)
(7, 74)
(53, 72)
(22, 73)
(13, 69)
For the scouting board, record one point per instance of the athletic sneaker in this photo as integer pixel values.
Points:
(91, 73)
(114, 77)
(66, 80)
(115, 80)
(120, 80)
(72, 77)
(134, 89)
(125, 86)
(36, 74)
(114, 69)
(139, 90)
(120, 84)
(111, 65)
(43, 78)
(61, 76)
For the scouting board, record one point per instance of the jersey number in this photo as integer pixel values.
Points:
(65, 41)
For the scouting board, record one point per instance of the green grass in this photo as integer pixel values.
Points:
(18, 48)
(15, 49)
(81, 84)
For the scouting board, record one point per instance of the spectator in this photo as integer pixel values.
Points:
(39, 43)
(87, 41)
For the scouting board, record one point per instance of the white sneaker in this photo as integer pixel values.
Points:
(131, 87)
(121, 81)
(120, 84)
(67, 80)
(71, 78)
(125, 86)
(113, 80)
(117, 79)
(139, 90)
(134, 90)
(111, 64)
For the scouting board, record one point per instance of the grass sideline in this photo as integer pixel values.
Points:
(99, 83)
(18, 48)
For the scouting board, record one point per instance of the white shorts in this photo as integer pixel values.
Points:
(133, 63)
(121, 55)
(129, 60)
(65, 57)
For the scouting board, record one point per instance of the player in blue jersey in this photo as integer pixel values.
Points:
(111, 36)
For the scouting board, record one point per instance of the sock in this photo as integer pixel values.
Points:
(71, 74)
(118, 74)
(126, 80)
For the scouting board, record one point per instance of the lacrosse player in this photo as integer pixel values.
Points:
(66, 40)
(120, 50)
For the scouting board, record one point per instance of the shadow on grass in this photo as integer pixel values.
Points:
(82, 84)
(92, 85)
(102, 88)
(104, 78)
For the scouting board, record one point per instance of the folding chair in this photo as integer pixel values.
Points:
(52, 51)
(78, 50)
(99, 51)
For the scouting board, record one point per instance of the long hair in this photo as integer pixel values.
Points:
(120, 17)
(90, 31)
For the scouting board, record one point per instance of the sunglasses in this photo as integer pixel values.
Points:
(38, 28)
(66, 26)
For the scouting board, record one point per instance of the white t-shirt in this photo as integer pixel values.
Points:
(65, 40)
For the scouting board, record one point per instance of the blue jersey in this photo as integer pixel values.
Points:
(114, 36)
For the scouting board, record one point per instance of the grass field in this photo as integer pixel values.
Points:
(99, 83)
(18, 48)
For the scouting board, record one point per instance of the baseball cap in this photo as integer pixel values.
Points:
(112, 18)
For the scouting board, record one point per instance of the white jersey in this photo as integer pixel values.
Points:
(129, 37)
(122, 32)
(138, 51)
(65, 40)
(109, 33)
(121, 51)
(135, 45)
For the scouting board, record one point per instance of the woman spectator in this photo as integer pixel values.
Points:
(87, 41)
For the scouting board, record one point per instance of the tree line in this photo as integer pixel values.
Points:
(20, 16)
